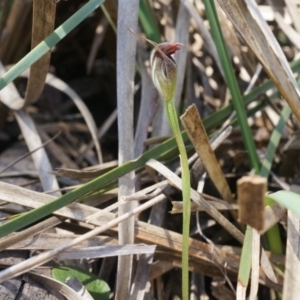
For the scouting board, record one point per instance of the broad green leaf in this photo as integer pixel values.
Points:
(288, 199)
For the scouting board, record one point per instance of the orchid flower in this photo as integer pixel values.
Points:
(164, 69)
(164, 77)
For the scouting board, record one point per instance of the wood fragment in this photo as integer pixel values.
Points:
(195, 129)
(251, 200)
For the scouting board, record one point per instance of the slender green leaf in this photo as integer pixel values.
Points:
(245, 263)
(273, 234)
(232, 83)
(148, 21)
(45, 46)
(274, 141)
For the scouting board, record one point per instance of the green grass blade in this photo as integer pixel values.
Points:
(148, 21)
(49, 42)
(274, 141)
(288, 199)
(273, 234)
(246, 257)
(232, 83)
(109, 19)
(45, 210)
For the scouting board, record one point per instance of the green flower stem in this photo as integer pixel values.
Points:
(173, 120)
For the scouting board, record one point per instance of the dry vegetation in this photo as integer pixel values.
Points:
(71, 139)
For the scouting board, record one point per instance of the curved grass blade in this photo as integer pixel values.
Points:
(288, 199)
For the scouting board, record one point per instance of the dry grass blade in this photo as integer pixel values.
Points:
(143, 194)
(77, 286)
(141, 277)
(273, 214)
(62, 86)
(212, 212)
(246, 17)
(106, 251)
(56, 150)
(290, 32)
(51, 283)
(47, 241)
(176, 181)
(42, 258)
(167, 12)
(98, 39)
(177, 206)
(204, 32)
(15, 238)
(194, 127)
(200, 253)
(251, 198)
(293, 10)
(198, 168)
(104, 128)
(29, 153)
(5, 7)
(86, 174)
(33, 142)
(9, 95)
(40, 156)
(147, 108)
(291, 286)
(43, 25)
(255, 265)
(110, 10)
(16, 30)
(126, 43)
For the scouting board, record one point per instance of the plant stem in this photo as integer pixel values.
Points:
(173, 120)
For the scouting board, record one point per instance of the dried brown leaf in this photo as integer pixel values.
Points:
(43, 25)
(195, 129)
